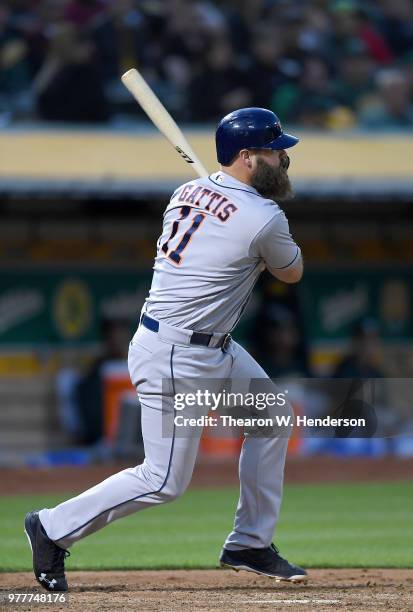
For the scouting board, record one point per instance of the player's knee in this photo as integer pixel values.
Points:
(155, 478)
(172, 490)
(166, 485)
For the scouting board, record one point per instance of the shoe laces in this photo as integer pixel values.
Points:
(279, 557)
(58, 559)
(263, 552)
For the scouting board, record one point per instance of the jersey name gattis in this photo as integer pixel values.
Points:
(209, 200)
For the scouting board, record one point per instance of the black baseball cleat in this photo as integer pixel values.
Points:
(263, 561)
(48, 558)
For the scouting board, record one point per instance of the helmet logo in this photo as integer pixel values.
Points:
(276, 130)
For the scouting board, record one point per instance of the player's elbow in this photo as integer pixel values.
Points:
(294, 277)
(292, 274)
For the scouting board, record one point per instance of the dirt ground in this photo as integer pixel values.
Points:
(27, 480)
(224, 590)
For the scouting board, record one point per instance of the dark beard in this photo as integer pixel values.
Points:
(272, 183)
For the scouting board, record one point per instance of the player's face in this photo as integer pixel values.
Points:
(269, 174)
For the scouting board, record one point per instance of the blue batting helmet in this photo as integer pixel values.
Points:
(250, 128)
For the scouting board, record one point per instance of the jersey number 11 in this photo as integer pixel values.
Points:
(176, 254)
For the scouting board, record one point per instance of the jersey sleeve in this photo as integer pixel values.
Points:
(275, 245)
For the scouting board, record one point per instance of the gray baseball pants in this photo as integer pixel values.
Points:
(169, 461)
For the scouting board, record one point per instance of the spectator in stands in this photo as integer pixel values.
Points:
(282, 350)
(363, 358)
(310, 100)
(242, 18)
(89, 393)
(364, 396)
(265, 66)
(355, 27)
(317, 32)
(354, 78)
(83, 12)
(14, 68)
(69, 86)
(393, 105)
(396, 23)
(123, 38)
(189, 27)
(220, 85)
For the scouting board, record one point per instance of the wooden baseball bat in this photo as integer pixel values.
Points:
(161, 118)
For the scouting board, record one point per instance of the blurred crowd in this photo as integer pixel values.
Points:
(319, 63)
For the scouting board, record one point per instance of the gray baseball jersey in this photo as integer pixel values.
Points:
(218, 235)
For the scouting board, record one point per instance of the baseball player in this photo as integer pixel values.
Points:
(219, 233)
